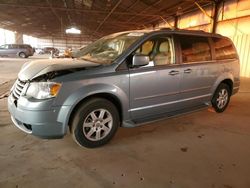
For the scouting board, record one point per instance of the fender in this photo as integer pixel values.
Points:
(88, 91)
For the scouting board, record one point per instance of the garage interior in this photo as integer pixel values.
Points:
(201, 149)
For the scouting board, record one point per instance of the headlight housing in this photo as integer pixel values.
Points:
(43, 90)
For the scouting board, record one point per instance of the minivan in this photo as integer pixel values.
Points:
(124, 79)
(16, 50)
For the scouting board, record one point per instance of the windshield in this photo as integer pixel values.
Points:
(107, 49)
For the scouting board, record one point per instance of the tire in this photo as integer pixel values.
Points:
(221, 98)
(22, 55)
(95, 123)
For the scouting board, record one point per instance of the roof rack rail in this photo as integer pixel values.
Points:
(178, 29)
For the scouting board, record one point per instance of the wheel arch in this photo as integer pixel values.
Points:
(104, 95)
(227, 79)
(228, 82)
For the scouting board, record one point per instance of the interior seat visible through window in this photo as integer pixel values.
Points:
(163, 57)
(159, 50)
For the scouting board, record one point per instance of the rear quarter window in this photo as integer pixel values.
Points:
(224, 49)
(21, 46)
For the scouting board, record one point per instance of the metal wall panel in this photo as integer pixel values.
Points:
(242, 44)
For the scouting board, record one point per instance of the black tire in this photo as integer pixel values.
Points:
(220, 107)
(83, 114)
(22, 55)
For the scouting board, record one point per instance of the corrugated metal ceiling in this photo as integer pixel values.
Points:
(94, 17)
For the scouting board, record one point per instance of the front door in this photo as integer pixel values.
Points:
(154, 88)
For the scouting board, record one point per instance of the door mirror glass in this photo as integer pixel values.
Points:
(140, 60)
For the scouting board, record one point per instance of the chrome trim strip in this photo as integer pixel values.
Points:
(154, 96)
(199, 62)
(167, 103)
(20, 126)
(172, 93)
(195, 89)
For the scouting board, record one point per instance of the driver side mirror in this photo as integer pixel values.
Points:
(140, 60)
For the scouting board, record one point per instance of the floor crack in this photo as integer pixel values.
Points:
(5, 95)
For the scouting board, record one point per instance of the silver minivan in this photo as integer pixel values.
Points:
(124, 79)
(16, 50)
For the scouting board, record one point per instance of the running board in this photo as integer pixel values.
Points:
(144, 121)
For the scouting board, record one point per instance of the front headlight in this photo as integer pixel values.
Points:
(43, 90)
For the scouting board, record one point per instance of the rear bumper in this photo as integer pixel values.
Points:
(235, 90)
(236, 87)
(42, 123)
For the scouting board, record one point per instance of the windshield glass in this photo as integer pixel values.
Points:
(107, 49)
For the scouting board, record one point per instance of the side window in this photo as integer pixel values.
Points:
(13, 46)
(164, 52)
(195, 49)
(146, 48)
(224, 49)
(159, 50)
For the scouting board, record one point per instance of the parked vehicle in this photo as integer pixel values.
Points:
(124, 79)
(13, 50)
(49, 50)
(39, 50)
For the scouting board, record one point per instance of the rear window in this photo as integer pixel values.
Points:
(224, 49)
(195, 49)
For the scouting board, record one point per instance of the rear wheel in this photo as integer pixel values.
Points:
(95, 123)
(221, 98)
(22, 55)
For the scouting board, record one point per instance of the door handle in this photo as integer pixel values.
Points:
(173, 72)
(188, 71)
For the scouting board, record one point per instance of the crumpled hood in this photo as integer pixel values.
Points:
(39, 67)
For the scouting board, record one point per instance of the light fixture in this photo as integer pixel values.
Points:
(73, 30)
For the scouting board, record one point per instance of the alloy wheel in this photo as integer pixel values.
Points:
(97, 124)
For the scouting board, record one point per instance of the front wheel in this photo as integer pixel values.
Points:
(221, 98)
(95, 123)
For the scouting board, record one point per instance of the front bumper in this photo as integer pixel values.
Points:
(42, 123)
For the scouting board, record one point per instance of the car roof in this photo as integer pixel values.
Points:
(174, 31)
(19, 44)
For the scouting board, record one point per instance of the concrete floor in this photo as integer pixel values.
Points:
(199, 150)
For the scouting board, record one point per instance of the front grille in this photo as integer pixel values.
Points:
(18, 88)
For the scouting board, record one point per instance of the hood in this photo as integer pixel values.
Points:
(39, 67)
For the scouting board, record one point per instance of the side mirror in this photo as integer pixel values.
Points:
(140, 60)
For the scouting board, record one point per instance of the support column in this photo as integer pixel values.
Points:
(19, 38)
(215, 15)
(176, 22)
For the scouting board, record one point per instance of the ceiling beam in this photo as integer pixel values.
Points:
(90, 11)
(109, 14)
(54, 12)
(145, 9)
